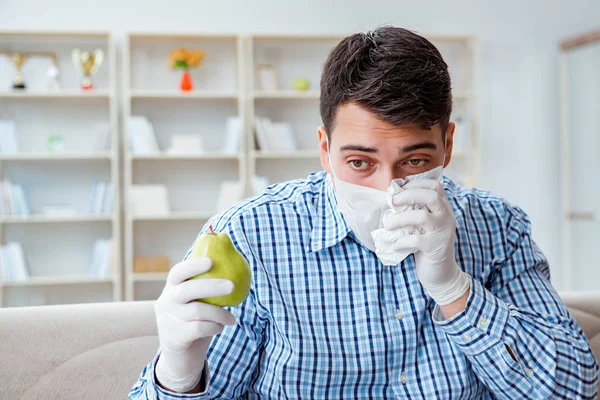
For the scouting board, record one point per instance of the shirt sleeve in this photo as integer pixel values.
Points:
(522, 311)
(233, 355)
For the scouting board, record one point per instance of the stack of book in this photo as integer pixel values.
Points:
(101, 197)
(102, 259)
(274, 136)
(141, 136)
(12, 263)
(13, 200)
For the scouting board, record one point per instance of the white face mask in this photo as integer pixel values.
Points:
(364, 207)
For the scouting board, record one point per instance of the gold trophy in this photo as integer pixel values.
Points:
(18, 60)
(89, 64)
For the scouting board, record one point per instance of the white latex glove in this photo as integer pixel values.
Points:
(436, 266)
(185, 326)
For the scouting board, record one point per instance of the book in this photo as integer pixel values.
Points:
(102, 259)
(23, 204)
(8, 139)
(6, 197)
(102, 130)
(141, 136)
(107, 201)
(13, 266)
(274, 136)
(284, 136)
(93, 197)
(17, 261)
(13, 200)
(99, 199)
(233, 135)
(262, 138)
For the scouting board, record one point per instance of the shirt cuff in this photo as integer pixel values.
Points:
(163, 394)
(480, 326)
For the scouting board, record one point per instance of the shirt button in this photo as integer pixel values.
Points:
(529, 372)
(483, 323)
(403, 378)
(467, 337)
(399, 314)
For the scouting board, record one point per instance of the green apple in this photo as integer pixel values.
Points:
(227, 263)
(301, 84)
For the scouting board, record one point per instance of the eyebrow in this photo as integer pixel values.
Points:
(407, 149)
(419, 146)
(356, 147)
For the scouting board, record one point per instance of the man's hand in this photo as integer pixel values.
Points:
(436, 266)
(186, 326)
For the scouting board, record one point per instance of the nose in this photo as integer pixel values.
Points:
(386, 177)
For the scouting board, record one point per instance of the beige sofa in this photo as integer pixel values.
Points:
(96, 351)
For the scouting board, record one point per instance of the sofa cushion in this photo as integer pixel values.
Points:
(82, 351)
(97, 351)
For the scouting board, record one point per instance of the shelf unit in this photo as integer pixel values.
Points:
(304, 56)
(291, 56)
(192, 180)
(224, 85)
(461, 53)
(58, 248)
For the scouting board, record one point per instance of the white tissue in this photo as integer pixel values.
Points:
(385, 239)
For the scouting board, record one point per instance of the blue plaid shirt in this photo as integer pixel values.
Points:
(326, 320)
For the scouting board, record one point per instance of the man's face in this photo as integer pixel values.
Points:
(369, 152)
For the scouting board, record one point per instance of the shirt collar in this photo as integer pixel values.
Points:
(330, 227)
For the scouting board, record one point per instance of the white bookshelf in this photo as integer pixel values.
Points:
(461, 53)
(291, 56)
(192, 180)
(304, 56)
(58, 248)
(225, 85)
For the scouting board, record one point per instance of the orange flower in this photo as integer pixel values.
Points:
(184, 58)
(194, 59)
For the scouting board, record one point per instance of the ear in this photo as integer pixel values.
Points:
(323, 151)
(449, 143)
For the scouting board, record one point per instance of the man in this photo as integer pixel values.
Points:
(339, 308)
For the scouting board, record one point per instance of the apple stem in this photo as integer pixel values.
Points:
(211, 230)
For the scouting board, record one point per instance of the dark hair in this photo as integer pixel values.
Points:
(392, 72)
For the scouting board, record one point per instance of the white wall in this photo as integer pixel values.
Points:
(519, 111)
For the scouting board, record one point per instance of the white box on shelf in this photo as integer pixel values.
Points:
(59, 210)
(148, 200)
(230, 192)
(8, 139)
(185, 144)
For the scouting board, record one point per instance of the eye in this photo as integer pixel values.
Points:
(359, 165)
(417, 162)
